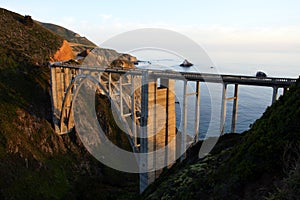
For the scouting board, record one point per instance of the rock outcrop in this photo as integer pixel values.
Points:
(84, 53)
(64, 53)
(127, 57)
(104, 57)
(121, 64)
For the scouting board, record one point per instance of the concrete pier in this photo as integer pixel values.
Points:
(161, 126)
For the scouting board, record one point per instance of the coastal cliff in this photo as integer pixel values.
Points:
(36, 163)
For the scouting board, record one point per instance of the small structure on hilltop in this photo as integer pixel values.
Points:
(27, 21)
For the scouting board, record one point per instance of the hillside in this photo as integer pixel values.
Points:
(77, 42)
(262, 163)
(23, 41)
(35, 163)
(69, 35)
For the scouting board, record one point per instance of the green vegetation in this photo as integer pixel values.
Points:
(262, 163)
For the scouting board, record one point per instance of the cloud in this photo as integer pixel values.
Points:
(273, 39)
(268, 39)
(106, 17)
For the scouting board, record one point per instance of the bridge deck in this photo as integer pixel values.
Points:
(202, 77)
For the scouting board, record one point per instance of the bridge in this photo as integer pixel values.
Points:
(144, 101)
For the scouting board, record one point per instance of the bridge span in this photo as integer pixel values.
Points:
(145, 98)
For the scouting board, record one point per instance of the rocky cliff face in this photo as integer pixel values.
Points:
(105, 57)
(123, 64)
(64, 53)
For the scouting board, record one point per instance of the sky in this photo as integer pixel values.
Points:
(255, 34)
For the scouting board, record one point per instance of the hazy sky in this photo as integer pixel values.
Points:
(233, 32)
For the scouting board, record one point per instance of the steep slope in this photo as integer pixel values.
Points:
(262, 164)
(35, 163)
(69, 35)
(23, 41)
(77, 43)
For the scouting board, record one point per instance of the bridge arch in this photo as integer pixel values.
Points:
(66, 116)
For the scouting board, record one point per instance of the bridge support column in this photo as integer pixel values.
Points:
(62, 86)
(67, 125)
(275, 93)
(109, 84)
(121, 95)
(184, 121)
(160, 128)
(133, 111)
(197, 111)
(54, 100)
(58, 88)
(223, 109)
(234, 108)
(165, 97)
(144, 180)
